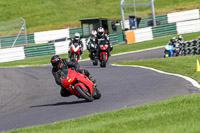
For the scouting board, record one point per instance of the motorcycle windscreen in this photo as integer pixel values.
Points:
(69, 76)
(103, 42)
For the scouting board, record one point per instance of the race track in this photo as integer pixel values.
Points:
(29, 96)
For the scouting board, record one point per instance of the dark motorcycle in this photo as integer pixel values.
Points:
(93, 54)
(103, 52)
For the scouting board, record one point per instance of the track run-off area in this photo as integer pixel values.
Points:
(29, 95)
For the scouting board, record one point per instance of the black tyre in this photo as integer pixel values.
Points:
(74, 57)
(188, 51)
(96, 94)
(166, 54)
(183, 52)
(85, 95)
(198, 51)
(95, 62)
(103, 63)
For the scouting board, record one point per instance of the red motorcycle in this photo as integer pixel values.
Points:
(103, 52)
(75, 52)
(79, 85)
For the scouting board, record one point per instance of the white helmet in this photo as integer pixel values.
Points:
(180, 38)
(100, 31)
(77, 36)
(94, 33)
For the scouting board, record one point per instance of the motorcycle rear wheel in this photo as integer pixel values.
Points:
(84, 94)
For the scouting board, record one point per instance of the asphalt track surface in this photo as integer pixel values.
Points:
(29, 96)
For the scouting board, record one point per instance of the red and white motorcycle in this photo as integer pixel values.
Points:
(75, 52)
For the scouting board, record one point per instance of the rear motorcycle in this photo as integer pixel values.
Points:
(75, 52)
(103, 52)
(79, 85)
(169, 51)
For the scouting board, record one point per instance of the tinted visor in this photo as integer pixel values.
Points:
(77, 37)
(55, 63)
(100, 33)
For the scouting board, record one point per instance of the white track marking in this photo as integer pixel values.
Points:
(194, 82)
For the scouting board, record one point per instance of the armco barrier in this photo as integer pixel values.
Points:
(164, 30)
(7, 41)
(61, 47)
(74, 30)
(143, 34)
(46, 36)
(116, 38)
(39, 50)
(30, 38)
(144, 21)
(11, 54)
(188, 26)
(183, 16)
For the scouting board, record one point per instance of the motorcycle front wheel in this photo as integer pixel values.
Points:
(103, 62)
(97, 94)
(166, 55)
(84, 94)
(74, 57)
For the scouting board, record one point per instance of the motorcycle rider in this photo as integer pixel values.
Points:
(173, 41)
(76, 39)
(91, 41)
(59, 65)
(180, 39)
(101, 35)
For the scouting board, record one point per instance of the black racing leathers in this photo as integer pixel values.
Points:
(104, 37)
(65, 65)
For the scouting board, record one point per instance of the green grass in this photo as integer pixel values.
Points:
(173, 115)
(43, 15)
(161, 41)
